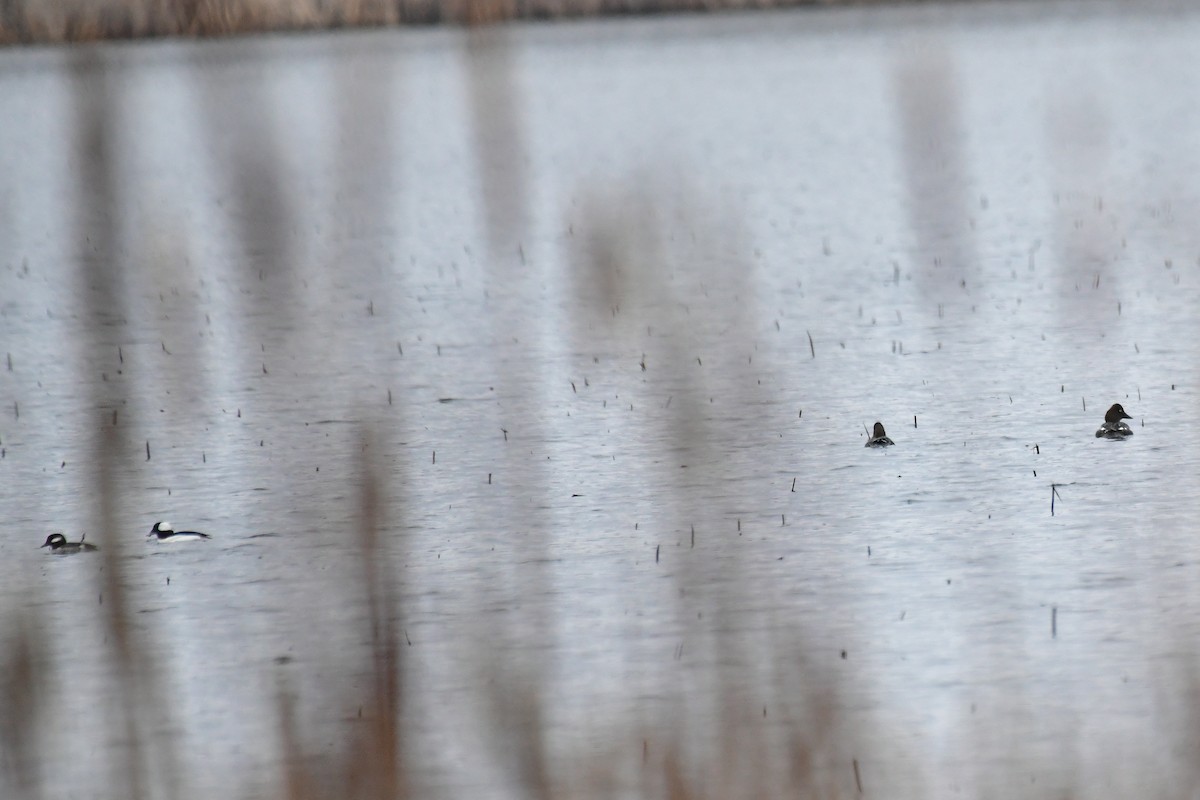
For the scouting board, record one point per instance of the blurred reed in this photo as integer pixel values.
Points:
(803, 750)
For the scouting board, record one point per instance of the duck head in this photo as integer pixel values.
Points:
(1116, 414)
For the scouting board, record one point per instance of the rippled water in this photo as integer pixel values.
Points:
(608, 306)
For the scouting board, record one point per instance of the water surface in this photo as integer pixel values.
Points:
(608, 306)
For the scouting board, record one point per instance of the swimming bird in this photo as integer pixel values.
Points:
(879, 437)
(59, 544)
(168, 535)
(1113, 427)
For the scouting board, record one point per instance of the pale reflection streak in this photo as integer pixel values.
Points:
(516, 716)
(635, 238)
(137, 705)
(930, 120)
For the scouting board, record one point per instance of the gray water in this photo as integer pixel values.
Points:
(607, 307)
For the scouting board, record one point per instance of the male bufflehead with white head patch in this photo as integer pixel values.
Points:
(167, 535)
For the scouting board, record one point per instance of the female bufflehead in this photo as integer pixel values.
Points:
(166, 533)
(59, 544)
(879, 437)
(1113, 427)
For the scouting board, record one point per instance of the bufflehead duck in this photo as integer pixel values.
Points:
(59, 544)
(879, 437)
(165, 533)
(1113, 427)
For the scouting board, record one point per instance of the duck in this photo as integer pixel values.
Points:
(168, 535)
(879, 437)
(59, 544)
(1113, 427)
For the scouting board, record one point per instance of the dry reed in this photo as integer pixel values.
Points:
(61, 21)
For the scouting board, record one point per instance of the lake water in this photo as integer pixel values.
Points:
(606, 307)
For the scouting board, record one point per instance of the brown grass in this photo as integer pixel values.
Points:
(62, 21)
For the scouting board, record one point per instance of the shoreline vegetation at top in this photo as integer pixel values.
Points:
(67, 21)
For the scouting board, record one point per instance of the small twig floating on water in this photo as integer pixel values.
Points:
(1054, 622)
(793, 484)
(811, 348)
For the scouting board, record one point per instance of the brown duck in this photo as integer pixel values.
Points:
(879, 437)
